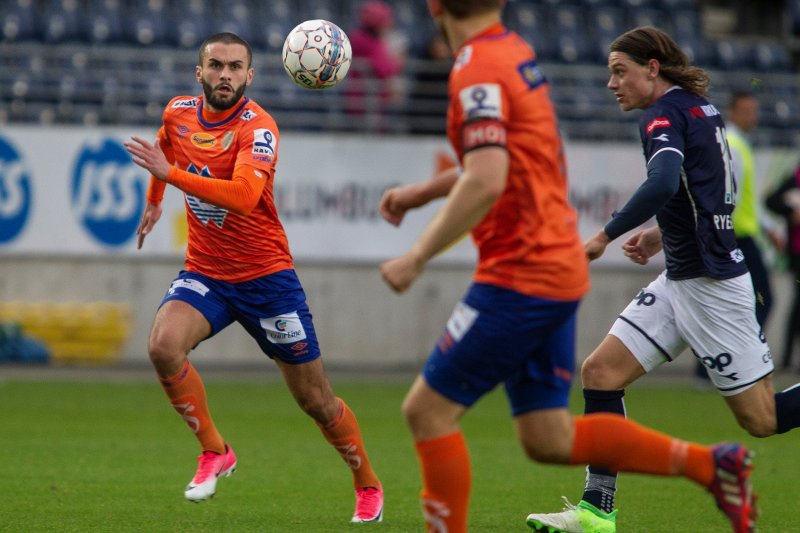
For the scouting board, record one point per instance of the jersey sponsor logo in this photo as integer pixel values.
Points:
(108, 192)
(190, 103)
(532, 74)
(248, 115)
(203, 140)
(483, 133)
(482, 101)
(463, 58)
(702, 111)
(461, 320)
(188, 284)
(660, 122)
(204, 211)
(15, 192)
(263, 143)
(283, 329)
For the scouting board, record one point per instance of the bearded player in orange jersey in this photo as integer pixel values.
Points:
(221, 149)
(516, 324)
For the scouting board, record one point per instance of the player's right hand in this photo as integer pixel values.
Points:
(150, 216)
(391, 207)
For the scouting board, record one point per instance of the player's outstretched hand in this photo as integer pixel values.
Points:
(399, 273)
(149, 218)
(148, 156)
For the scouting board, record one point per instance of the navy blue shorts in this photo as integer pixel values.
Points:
(272, 309)
(497, 335)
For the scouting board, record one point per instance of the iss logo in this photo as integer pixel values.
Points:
(108, 192)
(15, 193)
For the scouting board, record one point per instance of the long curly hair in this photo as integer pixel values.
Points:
(645, 43)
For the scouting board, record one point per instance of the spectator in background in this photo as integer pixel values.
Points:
(785, 201)
(748, 222)
(377, 59)
(427, 108)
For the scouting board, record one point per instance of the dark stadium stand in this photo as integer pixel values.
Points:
(119, 61)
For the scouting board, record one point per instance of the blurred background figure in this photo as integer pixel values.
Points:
(379, 55)
(749, 224)
(785, 201)
(428, 95)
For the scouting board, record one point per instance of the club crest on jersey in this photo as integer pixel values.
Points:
(264, 143)
(227, 140)
(203, 140)
(192, 102)
(481, 101)
(659, 122)
(248, 115)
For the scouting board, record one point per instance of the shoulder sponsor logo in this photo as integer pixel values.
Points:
(203, 140)
(660, 122)
(248, 115)
(532, 74)
(283, 329)
(192, 102)
(702, 111)
(264, 143)
(481, 101)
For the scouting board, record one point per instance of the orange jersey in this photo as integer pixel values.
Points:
(223, 244)
(529, 240)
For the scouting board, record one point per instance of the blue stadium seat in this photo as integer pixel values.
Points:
(18, 21)
(530, 21)
(771, 57)
(574, 48)
(235, 16)
(151, 23)
(189, 22)
(700, 51)
(734, 55)
(650, 17)
(107, 23)
(608, 21)
(61, 21)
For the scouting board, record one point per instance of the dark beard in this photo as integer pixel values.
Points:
(222, 104)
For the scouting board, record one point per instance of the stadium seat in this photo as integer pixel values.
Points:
(151, 23)
(61, 21)
(650, 16)
(18, 21)
(734, 55)
(189, 22)
(608, 21)
(107, 23)
(771, 57)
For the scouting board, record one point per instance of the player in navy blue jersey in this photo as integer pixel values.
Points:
(704, 299)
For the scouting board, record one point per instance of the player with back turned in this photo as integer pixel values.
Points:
(516, 324)
(221, 150)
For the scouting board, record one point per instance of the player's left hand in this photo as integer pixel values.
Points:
(148, 156)
(399, 273)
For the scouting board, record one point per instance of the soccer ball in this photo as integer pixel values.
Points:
(317, 54)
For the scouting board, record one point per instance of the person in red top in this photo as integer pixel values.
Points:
(516, 324)
(221, 150)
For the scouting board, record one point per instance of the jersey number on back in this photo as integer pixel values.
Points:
(730, 184)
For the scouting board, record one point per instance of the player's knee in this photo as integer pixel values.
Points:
(542, 452)
(759, 427)
(164, 354)
(595, 374)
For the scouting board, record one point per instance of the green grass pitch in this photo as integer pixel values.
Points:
(94, 456)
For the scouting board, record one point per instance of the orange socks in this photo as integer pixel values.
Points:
(446, 478)
(613, 442)
(188, 397)
(344, 434)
